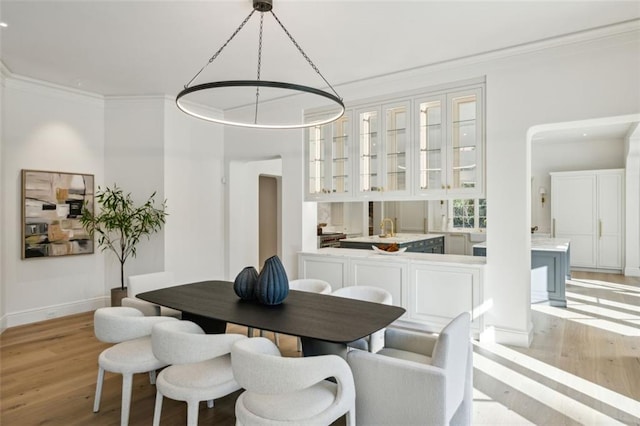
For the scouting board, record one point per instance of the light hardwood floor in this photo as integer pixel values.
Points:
(583, 367)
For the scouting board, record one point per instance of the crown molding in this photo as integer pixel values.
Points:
(27, 84)
(569, 39)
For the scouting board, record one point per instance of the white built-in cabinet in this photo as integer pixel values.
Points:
(433, 289)
(587, 208)
(426, 145)
(329, 162)
(449, 159)
(383, 151)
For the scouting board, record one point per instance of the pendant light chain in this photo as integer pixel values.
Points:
(304, 54)
(259, 65)
(184, 105)
(215, 55)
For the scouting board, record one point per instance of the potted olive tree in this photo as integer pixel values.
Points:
(119, 225)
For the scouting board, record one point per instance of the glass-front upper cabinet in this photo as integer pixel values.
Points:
(369, 147)
(383, 149)
(328, 152)
(431, 145)
(449, 145)
(465, 149)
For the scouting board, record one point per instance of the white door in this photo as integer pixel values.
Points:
(573, 212)
(609, 233)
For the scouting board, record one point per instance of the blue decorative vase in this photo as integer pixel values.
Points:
(273, 284)
(245, 283)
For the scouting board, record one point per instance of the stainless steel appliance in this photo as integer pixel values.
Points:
(331, 239)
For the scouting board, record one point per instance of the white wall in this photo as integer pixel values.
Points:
(632, 203)
(134, 160)
(561, 156)
(2, 209)
(193, 171)
(542, 83)
(243, 185)
(144, 144)
(47, 128)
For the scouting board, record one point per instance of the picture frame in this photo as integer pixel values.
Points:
(52, 204)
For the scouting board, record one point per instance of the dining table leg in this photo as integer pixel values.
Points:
(314, 347)
(209, 325)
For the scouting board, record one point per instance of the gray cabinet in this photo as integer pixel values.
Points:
(549, 271)
(431, 245)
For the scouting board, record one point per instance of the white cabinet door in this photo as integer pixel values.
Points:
(389, 275)
(455, 243)
(412, 217)
(332, 269)
(609, 221)
(586, 207)
(438, 294)
(573, 212)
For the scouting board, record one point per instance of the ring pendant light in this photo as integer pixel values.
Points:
(260, 6)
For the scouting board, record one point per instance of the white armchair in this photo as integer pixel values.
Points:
(132, 353)
(200, 366)
(417, 379)
(290, 391)
(149, 282)
(375, 341)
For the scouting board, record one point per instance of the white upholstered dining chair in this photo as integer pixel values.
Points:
(130, 329)
(148, 282)
(417, 379)
(375, 341)
(199, 366)
(311, 285)
(290, 391)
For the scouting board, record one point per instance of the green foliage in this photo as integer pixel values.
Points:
(120, 224)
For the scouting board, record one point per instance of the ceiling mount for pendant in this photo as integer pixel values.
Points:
(261, 6)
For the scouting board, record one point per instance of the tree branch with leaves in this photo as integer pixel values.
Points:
(120, 225)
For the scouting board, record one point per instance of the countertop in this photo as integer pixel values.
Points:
(397, 238)
(542, 244)
(404, 257)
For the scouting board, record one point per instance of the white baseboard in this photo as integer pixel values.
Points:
(54, 311)
(506, 336)
(632, 272)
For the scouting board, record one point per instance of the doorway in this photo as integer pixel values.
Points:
(268, 213)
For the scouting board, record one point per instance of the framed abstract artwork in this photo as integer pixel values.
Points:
(52, 204)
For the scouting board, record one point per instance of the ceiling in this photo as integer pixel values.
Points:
(147, 47)
(155, 47)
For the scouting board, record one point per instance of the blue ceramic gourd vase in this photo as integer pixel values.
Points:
(245, 283)
(273, 285)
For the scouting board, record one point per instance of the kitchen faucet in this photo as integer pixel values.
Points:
(383, 232)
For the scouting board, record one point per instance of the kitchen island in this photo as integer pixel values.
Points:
(433, 288)
(414, 243)
(550, 268)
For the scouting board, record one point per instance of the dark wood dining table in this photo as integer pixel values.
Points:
(325, 323)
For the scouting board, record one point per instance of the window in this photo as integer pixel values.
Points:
(468, 213)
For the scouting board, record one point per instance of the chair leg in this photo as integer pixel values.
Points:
(157, 412)
(249, 331)
(192, 413)
(96, 401)
(210, 403)
(127, 384)
(351, 418)
(299, 344)
(152, 377)
(277, 339)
